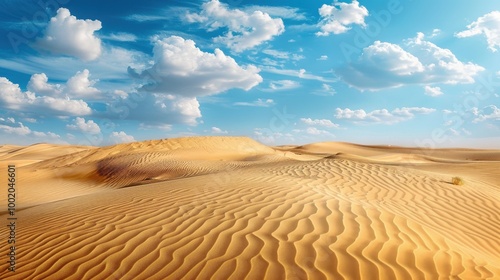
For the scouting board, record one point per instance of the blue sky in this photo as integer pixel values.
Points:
(397, 72)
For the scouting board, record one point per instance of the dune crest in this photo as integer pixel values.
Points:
(232, 208)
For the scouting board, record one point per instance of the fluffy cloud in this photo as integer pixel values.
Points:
(433, 91)
(257, 103)
(78, 86)
(16, 130)
(489, 26)
(216, 130)
(491, 112)
(245, 30)
(338, 18)
(392, 58)
(382, 116)
(48, 137)
(156, 110)
(319, 122)
(39, 83)
(67, 35)
(13, 98)
(87, 127)
(315, 131)
(386, 65)
(180, 68)
(11, 131)
(120, 137)
(441, 65)
(180, 73)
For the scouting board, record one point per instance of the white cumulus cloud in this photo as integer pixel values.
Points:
(386, 65)
(319, 122)
(245, 30)
(489, 26)
(39, 83)
(392, 58)
(67, 35)
(10, 132)
(491, 112)
(339, 17)
(120, 137)
(180, 68)
(157, 110)
(83, 126)
(16, 130)
(216, 130)
(383, 115)
(315, 131)
(12, 97)
(78, 86)
(181, 72)
(433, 91)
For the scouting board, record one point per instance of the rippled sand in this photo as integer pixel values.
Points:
(231, 208)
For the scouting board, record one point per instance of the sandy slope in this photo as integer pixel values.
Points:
(231, 208)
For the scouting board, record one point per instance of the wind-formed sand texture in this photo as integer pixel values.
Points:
(232, 208)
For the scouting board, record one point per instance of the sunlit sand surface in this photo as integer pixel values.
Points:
(232, 208)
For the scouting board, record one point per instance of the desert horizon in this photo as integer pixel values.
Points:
(224, 207)
(249, 139)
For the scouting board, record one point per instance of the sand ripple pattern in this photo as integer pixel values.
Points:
(279, 219)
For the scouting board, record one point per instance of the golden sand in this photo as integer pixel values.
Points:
(232, 208)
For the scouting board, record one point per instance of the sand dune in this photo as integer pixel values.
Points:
(35, 153)
(232, 208)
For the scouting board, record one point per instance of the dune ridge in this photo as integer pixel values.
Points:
(232, 208)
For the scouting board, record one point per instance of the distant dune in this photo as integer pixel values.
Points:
(232, 208)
